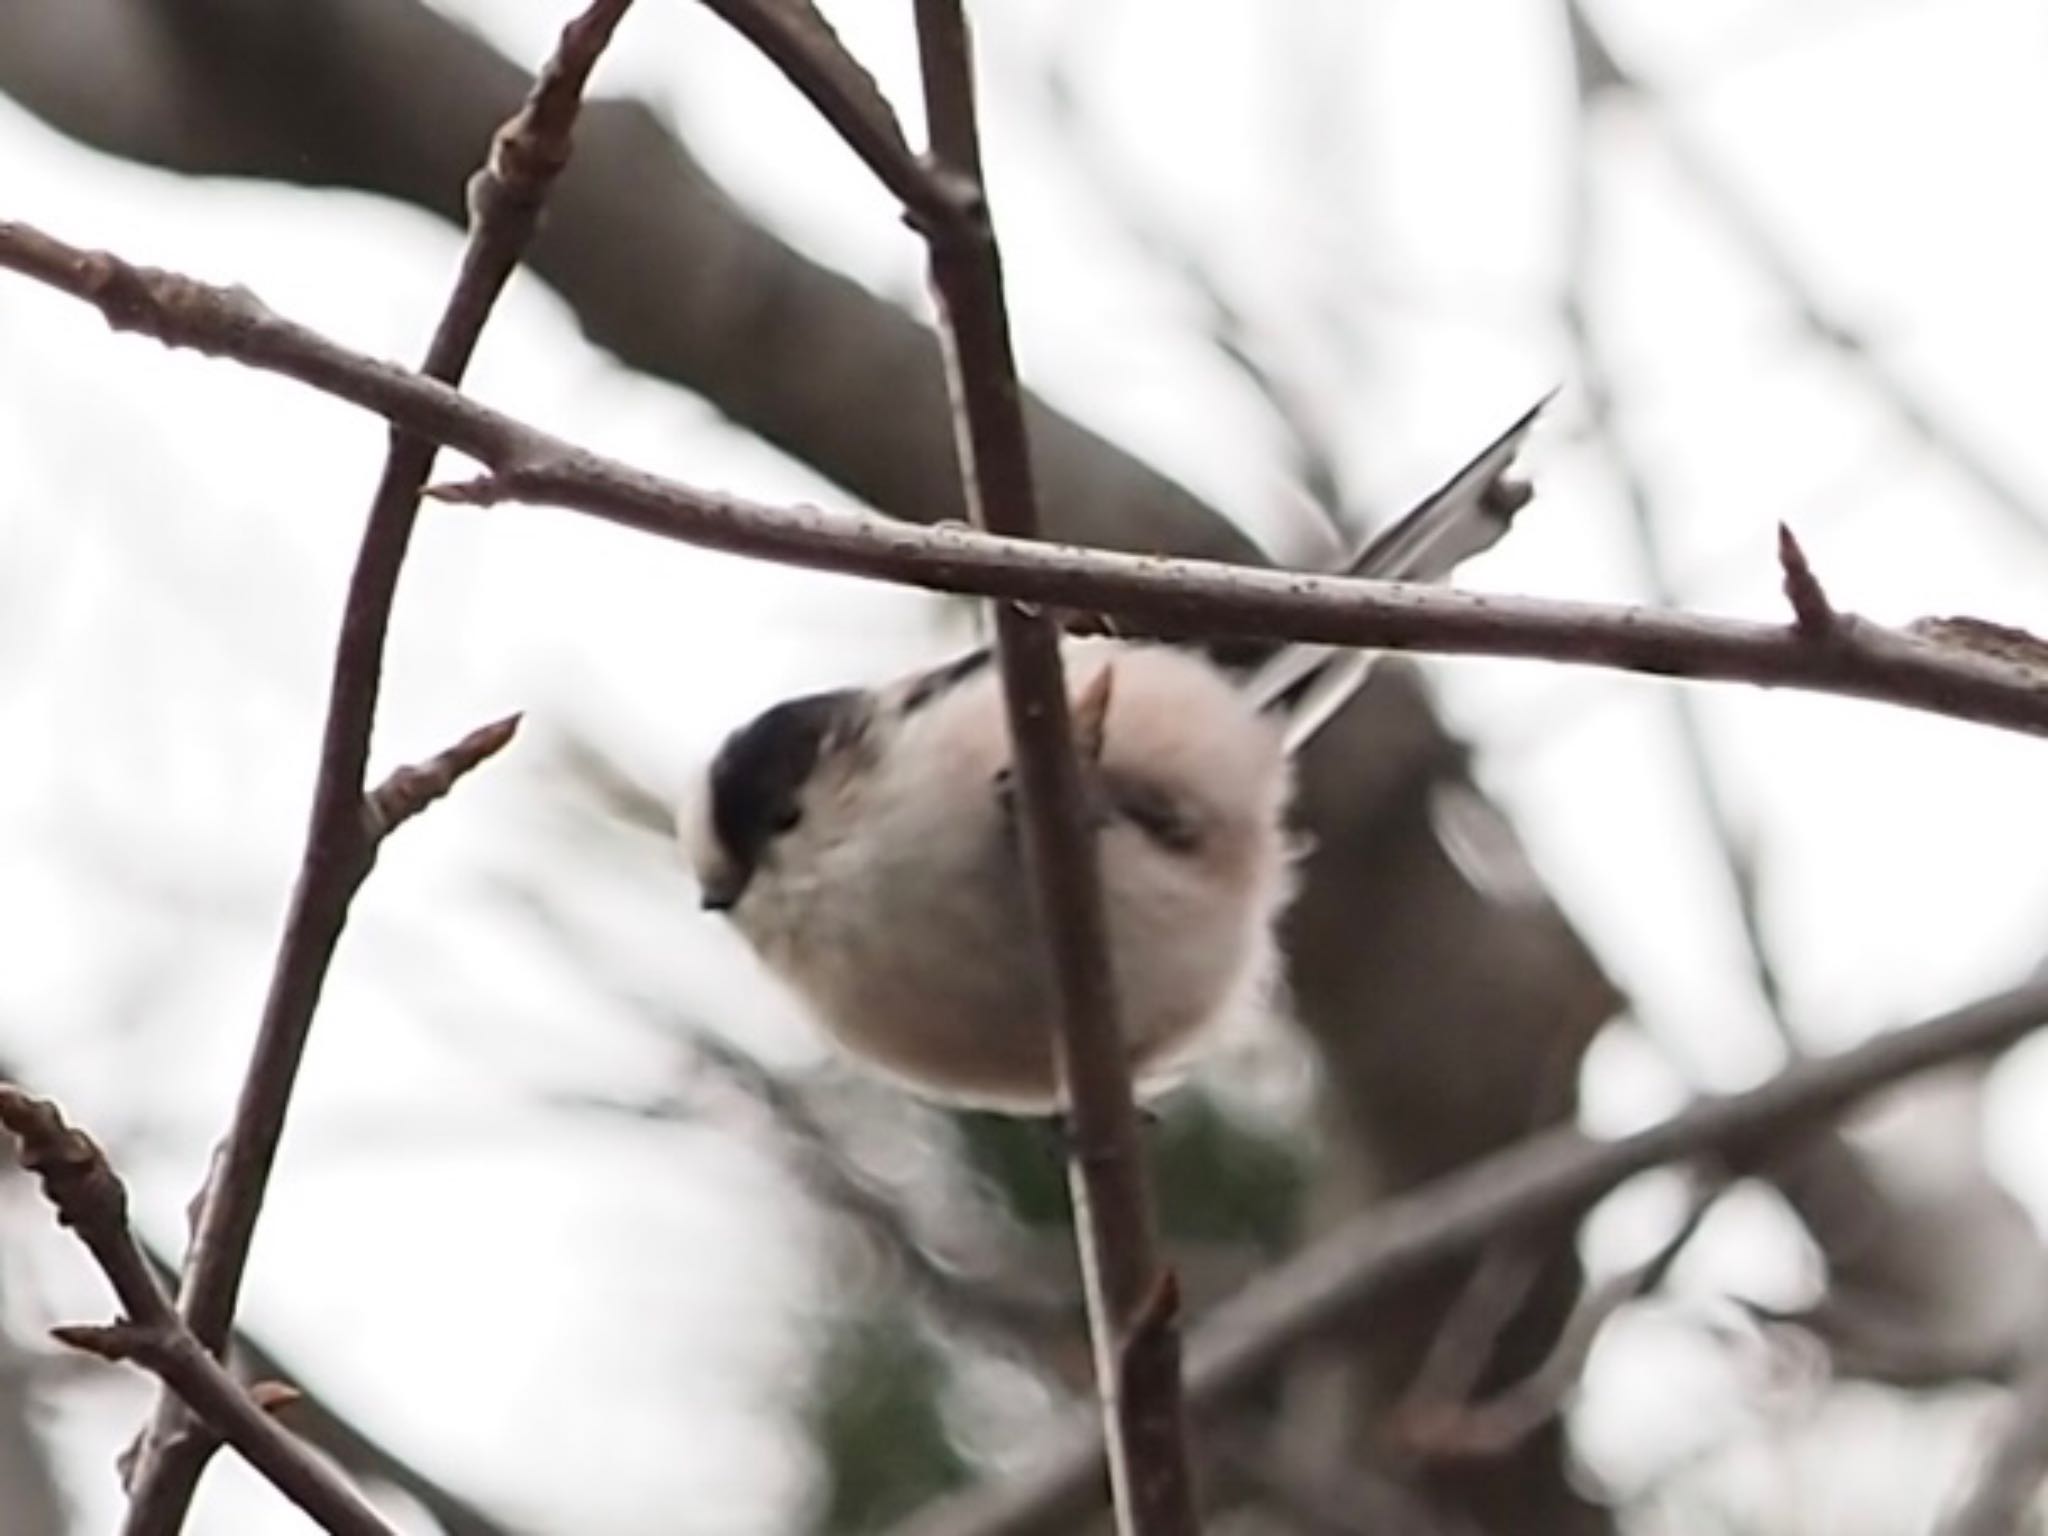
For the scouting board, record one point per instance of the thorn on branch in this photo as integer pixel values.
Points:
(411, 789)
(112, 1342)
(1497, 1425)
(1812, 614)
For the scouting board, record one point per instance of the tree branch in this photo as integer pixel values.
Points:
(1133, 1301)
(1546, 1178)
(1710, 791)
(796, 38)
(90, 1199)
(1442, 1428)
(505, 200)
(1860, 659)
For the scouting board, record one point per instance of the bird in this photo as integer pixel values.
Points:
(864, 840)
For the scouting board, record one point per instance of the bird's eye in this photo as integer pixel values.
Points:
(787, 818)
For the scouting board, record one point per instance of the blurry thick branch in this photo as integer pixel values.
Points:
(1548, 1178)
(661, 266)
(349, 818)
(1855, 658)
(90, 1199)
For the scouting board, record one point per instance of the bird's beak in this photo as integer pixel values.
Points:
(722, 886)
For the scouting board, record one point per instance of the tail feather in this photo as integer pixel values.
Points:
(1465, 516)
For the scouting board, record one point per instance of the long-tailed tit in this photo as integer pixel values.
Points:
(865, 841)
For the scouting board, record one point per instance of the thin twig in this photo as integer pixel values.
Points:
(1547, 1178)
(1867, 660)
(1232, 334)
(1812, 614)
(357, 1451)
(797, 39)
(90, 1199)
(505, 198)
(1595, 77)
(1133, 1301)
(351, 1447)
(1500, 1283)
(1768, 251)
(1468, 1334)
(411, 789)
(1506, 1419)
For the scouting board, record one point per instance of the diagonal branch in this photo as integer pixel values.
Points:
(797, 39)
(1547, 1178)
(90, 1199)
(505, 200)
(1450, 1429)
(1132, 1300)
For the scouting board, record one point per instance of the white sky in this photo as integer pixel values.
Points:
(175, 534)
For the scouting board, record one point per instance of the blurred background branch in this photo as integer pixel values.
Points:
(1292, 274)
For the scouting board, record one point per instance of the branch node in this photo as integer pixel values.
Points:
(112, 1342)
(957, 209)
(1812, 614)
(531, 147)
(510, 480)
(796, 37)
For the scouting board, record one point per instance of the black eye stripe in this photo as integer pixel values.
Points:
(759, 774)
